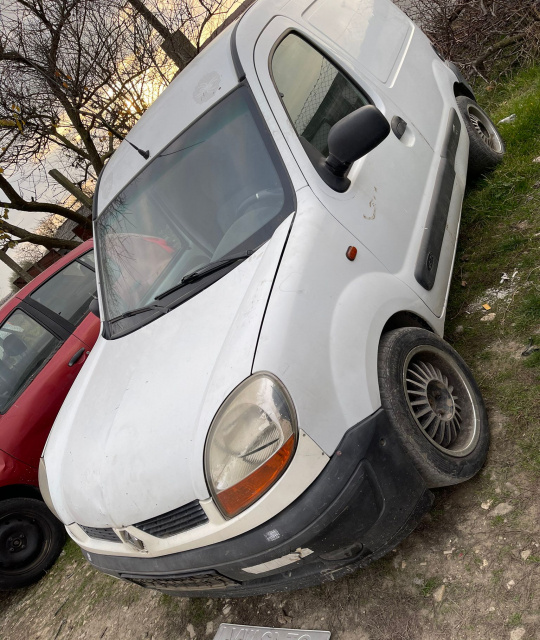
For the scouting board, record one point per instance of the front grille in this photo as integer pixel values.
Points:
(208, 580)
(100, 534)
(170, 524)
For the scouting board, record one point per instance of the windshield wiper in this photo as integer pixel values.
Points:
(151, 307)
(208, 269)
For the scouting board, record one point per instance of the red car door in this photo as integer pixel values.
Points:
(45, 374)
(43, 345)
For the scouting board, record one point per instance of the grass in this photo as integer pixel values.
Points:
(429, 586)
(514, 620)
(500, 234)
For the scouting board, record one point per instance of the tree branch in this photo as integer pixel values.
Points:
(69, 186)
(502, 44)
(19, 204)
(36, 238)
(14, 266)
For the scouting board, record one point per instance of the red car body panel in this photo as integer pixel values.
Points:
(15, 472)
(25, 425)
(88, 331)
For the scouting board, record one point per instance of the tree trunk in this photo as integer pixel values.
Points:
(73, 189)
(176, 45)
(14, 266)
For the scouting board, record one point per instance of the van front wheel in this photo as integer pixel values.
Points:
(434, 405)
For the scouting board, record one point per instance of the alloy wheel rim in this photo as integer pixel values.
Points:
(441, 401)
(485, 129)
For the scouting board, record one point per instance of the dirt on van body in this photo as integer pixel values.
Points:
(471, 570)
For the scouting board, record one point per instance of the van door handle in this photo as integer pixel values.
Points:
(399, 127)
(75, 357)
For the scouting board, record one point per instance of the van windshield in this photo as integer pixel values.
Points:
(218, 190)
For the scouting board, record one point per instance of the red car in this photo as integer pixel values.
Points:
(46, 334)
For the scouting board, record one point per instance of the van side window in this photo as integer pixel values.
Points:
(315, 93)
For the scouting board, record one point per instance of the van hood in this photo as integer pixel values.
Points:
(140, 410)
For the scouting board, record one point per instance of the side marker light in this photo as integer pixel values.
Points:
(351, 253)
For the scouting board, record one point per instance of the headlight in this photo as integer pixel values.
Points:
(250, 443)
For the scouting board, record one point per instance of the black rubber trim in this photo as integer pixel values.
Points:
(461, 78)
(174, 522)
(432, 240)
(59, 327)
(339, 184)
(107, 534)
(241, 74)
(66, 327)
(95, 199)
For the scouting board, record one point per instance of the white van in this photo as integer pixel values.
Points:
(271, 399)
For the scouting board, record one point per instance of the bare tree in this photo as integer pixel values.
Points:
(75, 75)
(482, 35)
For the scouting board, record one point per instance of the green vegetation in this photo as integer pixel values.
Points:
(514, 620)
(429, 586)
(500, 234)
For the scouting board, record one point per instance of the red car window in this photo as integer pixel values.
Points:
(69, 292)
(25, 346)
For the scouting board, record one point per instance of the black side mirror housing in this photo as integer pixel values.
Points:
(350, 139)
(355, 136)
(94, 307)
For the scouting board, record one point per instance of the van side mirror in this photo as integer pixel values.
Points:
(94, 307)
(350, 139)
(353, 137)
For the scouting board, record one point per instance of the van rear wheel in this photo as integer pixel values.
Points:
(434, 405)
(486, 148)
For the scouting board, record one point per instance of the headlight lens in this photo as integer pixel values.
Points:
(250, 443)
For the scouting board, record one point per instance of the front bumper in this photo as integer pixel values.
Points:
(368, 498)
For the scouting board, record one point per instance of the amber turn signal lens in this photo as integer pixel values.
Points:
(351, 253)
(241, 495)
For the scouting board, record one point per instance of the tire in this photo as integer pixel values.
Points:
(31, 540)
(434, 405)
(486, 148)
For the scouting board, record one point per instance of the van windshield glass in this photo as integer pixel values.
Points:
(218, 190)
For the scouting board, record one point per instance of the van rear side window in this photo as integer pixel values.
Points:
(315, 93)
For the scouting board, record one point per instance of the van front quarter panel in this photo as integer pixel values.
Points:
(342, 306)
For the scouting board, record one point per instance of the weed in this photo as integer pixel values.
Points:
(429, 586)
(198, 612)
(170, 603)
(533, 361)
(514, 620)
(496, 575)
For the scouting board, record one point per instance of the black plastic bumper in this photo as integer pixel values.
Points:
(368, 498)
